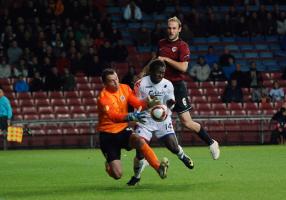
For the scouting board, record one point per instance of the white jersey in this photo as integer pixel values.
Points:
(164, 91)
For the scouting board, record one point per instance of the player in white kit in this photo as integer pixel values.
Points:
(157, 86)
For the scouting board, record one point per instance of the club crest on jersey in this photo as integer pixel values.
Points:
(174, 49)
(122, 98)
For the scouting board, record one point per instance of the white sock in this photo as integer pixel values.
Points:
(181, 152)
(141, 164)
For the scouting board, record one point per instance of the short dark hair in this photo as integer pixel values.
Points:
(155, 64)
(106, 72)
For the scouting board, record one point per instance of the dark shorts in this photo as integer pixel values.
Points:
(181, 96)
(111, 144)
(4, 123)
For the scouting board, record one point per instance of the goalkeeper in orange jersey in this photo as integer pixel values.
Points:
(114, 133)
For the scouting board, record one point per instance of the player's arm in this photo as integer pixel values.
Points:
(180, 66)
(170, 98)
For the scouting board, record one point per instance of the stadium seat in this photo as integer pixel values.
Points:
(234, 106)
(250, 106)
(199, 99)
(218, 106)
(81, 79)
(29, 110)
(24, 95)
(86, 94)
(61, 109)
(207, 84)
(83, 86)
(42, 102)
(47, 116)
(91, 111)
(31, 117)
(58, 102)
(55, 94)
(238, 112)
(214, 99)
(70, 131)
(26, 102)
(40, 95)
(77, 109)
(74, 101)
(202, 106)
(89, 101)
(71, 94)
(45, 109)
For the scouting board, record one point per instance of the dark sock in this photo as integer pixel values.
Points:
(205, 136)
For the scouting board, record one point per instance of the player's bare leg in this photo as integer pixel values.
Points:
(114, 169)
(172, 145)
(188, 122)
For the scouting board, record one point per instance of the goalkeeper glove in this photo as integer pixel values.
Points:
(136, 116)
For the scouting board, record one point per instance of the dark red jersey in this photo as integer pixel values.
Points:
(178, 51)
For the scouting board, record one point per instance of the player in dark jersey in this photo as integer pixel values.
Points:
(176, 54)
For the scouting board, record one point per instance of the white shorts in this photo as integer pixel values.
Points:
(159, 129)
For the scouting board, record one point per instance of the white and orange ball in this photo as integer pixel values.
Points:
(159, 112)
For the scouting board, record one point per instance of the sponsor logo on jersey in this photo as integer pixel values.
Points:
(122, 98)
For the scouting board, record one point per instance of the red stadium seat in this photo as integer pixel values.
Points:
(214, 99)
(91, 111)
(56, 95)
(238, 112)
(47, 116)
(250, 106)
(71, 94)
(63, 116)
(234, 106)
(24, 95)
(202, 106)
(45, 109)
(89, 101)
(40, 95)
(86, 94)
(208, 84)
(218, 106)
(26, 102)
(81, 79)
(58, 102)
(42, 102)
(29, 110)
(77, 109)
(83, 86)
(74, 101)
(199, 99)
(31, 117)
(61, 109)
(94, 79)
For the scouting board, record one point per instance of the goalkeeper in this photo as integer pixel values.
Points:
(114, 133)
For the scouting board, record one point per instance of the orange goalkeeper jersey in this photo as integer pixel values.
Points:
(113, 108)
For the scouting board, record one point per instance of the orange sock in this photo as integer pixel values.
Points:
(150, 156)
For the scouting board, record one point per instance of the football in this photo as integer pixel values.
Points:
(159, 113)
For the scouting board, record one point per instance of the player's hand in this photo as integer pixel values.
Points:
(152, 101)
(171, 103)
(137, 116)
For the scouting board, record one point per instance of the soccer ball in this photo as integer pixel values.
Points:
(159, 112)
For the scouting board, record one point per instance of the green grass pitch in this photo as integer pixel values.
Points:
(242, 172)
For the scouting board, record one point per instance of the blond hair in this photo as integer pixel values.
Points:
(175, 19)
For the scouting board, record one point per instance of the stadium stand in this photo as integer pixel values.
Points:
(43, 106)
